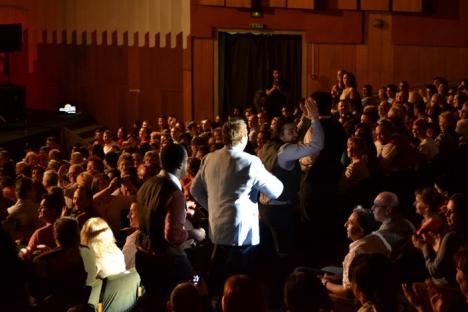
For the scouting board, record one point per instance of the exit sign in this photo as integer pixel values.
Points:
(257, 26)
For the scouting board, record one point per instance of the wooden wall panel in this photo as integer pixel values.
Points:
(276, 3)
(375, 5)
(347, 4)
(407, 5)
(301, 4)
(203, 98)
(238, 3)
(212, 2)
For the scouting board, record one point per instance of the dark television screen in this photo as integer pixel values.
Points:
(11, 37)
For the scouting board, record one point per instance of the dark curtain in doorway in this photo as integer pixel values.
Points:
(246, 62)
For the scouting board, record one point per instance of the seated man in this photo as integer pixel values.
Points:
(395, 229)
(22, 218)
(359, 228)
(59, 276)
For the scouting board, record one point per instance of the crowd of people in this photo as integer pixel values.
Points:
(246, 213)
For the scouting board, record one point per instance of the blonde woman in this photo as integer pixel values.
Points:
(97, 235)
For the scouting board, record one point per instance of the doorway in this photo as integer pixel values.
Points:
(246, 62)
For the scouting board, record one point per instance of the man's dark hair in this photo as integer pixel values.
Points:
(282, 122)
(23, 187)
(304, 292)
(67, 232)
(55, 201)
(324, 102)
(172, 156)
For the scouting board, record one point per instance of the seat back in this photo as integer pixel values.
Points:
(120, 291)
(96, 288)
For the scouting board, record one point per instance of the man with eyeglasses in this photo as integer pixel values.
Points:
(395, 229)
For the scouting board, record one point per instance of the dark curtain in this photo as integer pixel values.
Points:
(246, 62)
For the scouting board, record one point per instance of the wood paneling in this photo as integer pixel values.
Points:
(203, 99)
(347, 4)
(301, 4)
(212, 2)
(407, 5)
(276, 3)
(238, 3)
(375, 5)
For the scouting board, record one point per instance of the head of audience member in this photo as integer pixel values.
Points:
(461, 263)
(262, 118)
(462, 130)
(427, 201)
(82, 199)
(391, 91)
(50, 208)
(100, 182)
(287, 131)
(463, 110)
(193, 165)
(162, 123)
(146, 171)
(55, 154)
(339, 77)
(67, 232)
(243, 294)
(37, 173)
(385, 206)
(22, 168)
(107, 137)
(31, 158)
(50, 179)
(262, 138)
(383, 132)
(447, 122)
(366, 90)
(235, 133)
(373, 280)
(147, 124)
(174, 159)
(303, 292)
(94, 165)
(356, 148)
(419, 129)
(360, 224)
(171, 121)
(84, 179)
(185, 298)
(206, 125)
(99, 136)
(97, 235)
(457, 213)
(122, 134)
(133, 216)
(24, 189)
(144, 134)
(76, 158)
(73, 173)
(97, 150)
(324, 102)
(349, 80)
(382, 94)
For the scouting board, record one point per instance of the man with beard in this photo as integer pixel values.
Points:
(281, 157)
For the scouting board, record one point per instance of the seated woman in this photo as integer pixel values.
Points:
(97, 235)
(357, 172)
(359, 229)
(427, 203)
(439, 249)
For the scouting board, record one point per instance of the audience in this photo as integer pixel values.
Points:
(407, 141)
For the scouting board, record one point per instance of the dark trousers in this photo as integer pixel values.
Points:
(159, 274)
(282, 222)
(230, 260)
